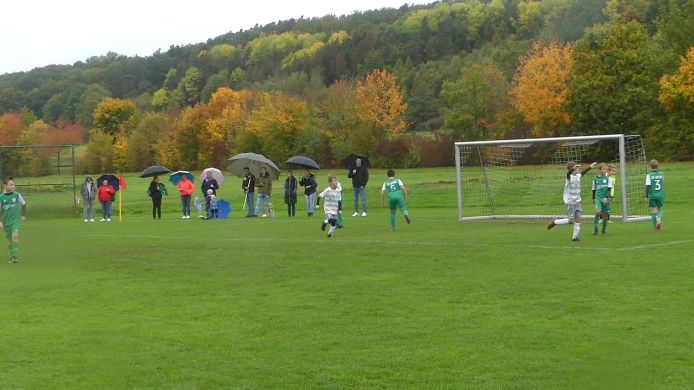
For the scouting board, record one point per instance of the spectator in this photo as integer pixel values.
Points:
(105, 195)
(248, 186)
(309, 184)
(88, 192)
(290, 185)
(264, 185)
(155, 191)
(185, 188)
(360, 177)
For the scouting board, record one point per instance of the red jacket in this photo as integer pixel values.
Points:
(106, 193)
(185, 186)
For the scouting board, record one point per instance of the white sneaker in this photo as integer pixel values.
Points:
(363, 214)
(86, 220)
(108, 219)
(263, 216)
(183, 217)
(102, 220)
(356, 214)
(91, 219)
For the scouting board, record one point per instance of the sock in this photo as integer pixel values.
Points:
(604, 225)
(392, 219)
(331, 230)
(561, 221)
(339, 220)
(14, 248)
(596, 221)
(653, 219)
(659, 214)
(577, 230)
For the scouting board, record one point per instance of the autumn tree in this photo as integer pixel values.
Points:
(280, 125)
(540, 89)
(99, 154)
(674, 139)
(379, 101)
(35, 161)
(115, 116)
(188, 130)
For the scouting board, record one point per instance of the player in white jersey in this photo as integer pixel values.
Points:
(572, 198)
(332, 197)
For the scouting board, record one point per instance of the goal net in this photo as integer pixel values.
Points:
(43, 173)
(524, 178)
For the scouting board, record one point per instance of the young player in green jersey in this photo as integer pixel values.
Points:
(602, 190)
(397, 197)
(572, 199)
(655, 194)
(12, 207)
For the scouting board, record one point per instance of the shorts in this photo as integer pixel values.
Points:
(655, 203)
(602, 207)
(574, 210)
(9, 229)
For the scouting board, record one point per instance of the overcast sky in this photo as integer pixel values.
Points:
(36, 33)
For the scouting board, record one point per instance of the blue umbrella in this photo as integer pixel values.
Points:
(175, 177)
(224, 208)
(111, 179)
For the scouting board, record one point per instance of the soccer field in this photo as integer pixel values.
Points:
(273, 303)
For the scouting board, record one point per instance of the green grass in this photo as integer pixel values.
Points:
(273, 303)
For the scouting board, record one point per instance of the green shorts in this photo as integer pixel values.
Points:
(602, 207)
(9, 229)
(397, 201)
(655, 203)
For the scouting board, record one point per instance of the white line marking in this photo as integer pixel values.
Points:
(429, 243)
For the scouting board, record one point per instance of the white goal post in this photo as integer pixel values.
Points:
(524, 178)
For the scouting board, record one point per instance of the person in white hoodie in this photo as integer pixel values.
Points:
(88, 191)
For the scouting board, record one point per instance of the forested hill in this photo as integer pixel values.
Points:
(474, 69)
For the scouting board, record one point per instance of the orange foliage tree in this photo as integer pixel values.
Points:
(540, 90)
(379, 101)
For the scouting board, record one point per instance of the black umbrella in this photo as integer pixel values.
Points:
(112, 180)
(349, 161)
(154, 170)
(302, 162)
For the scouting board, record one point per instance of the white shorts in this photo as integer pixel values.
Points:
(574, 210)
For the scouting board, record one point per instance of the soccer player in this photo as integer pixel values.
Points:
(331, 199)
(572, 198)
(12, 207)
(602, 196)
(655, 194)
(397, 197)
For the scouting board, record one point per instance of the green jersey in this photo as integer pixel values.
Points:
(11, 204)
(655, 181)
(602, 185)
(393, 187)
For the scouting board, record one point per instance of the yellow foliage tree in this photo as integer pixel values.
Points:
(540, 90)
(678, 89)
(115, 116)
(379, 101)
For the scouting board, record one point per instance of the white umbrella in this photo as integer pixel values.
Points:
(216, 174)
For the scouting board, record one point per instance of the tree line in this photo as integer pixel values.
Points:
(402, 84)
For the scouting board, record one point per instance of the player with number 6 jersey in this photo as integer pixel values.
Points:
(397, 197)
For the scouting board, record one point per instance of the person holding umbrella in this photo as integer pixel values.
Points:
(105, 195)
(155, 191)
(186, 189)
(208, 183)
(248, 186)
(359, 174)
(310, 185)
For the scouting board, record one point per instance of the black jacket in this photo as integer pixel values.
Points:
(309, 183)
(248, 183)
(209, 185)
(360, 177)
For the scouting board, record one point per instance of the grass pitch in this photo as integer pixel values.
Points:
(273, 303)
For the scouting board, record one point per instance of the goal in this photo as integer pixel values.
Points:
(524, 178)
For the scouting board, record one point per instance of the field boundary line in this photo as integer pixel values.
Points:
(430, 243)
